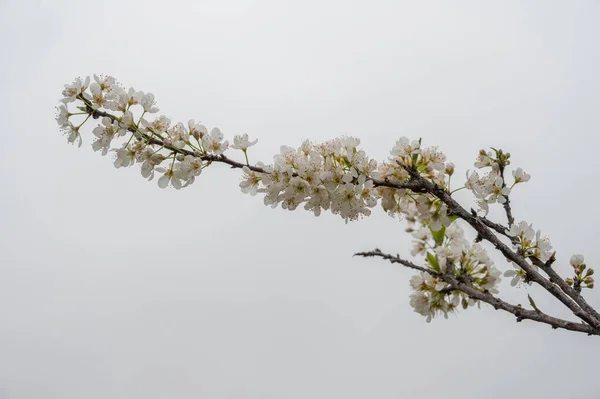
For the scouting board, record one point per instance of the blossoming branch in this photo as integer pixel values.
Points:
(414, 183)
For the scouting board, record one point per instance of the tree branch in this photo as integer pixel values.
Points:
(575, 303)
(418, 184)
(464, 286)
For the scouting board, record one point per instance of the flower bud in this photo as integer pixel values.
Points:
(180, 157)
(576, 260)
(569, 281)
(449, 169)
(579, 269)
(589, 272)
(157, 158)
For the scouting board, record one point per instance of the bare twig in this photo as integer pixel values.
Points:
(396, 259)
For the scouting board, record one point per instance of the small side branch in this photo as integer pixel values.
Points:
(506, 205)
(395, 259)
(464, 286)
(497, 227)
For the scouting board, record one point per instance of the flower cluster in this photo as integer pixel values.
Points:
(580, 280)
(430, 163)
(431, 296)
(448, 252)
(178, 152)
(491, 187)
(529, 242)
(334, 175)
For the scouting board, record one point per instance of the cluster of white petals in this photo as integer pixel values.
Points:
(582, 278)
(530, 242)
(243, 142)
(179, 152)
(491, 187)
(431, 164)
(334, 175)
(448, 252)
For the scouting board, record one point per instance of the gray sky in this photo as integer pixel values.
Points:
(113, 288)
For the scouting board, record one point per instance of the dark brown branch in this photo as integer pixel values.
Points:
(464, 286)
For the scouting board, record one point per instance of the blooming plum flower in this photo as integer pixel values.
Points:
(520, 175)
(242, 142)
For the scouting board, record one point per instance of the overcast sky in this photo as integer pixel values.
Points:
(113, 288)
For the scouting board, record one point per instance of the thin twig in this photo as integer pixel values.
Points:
(506, 204)
(396, 259)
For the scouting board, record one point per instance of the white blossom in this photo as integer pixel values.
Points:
(520, 176)
(72, 133)
(98, 100)
(197, 130)
(106, 83)
(148, 103)
(134, 97)
(62, 118)
(516, 274)
(105, 133)
(159, 125)
(251, 181)
(178, 136)
(117, 99)
(125, 156)
(169, 176)
(405, 148)
(214, 143)
(149, 164)
(576, 260)
(72, 90)
(242, 142)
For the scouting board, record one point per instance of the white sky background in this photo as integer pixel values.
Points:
(113, 288)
